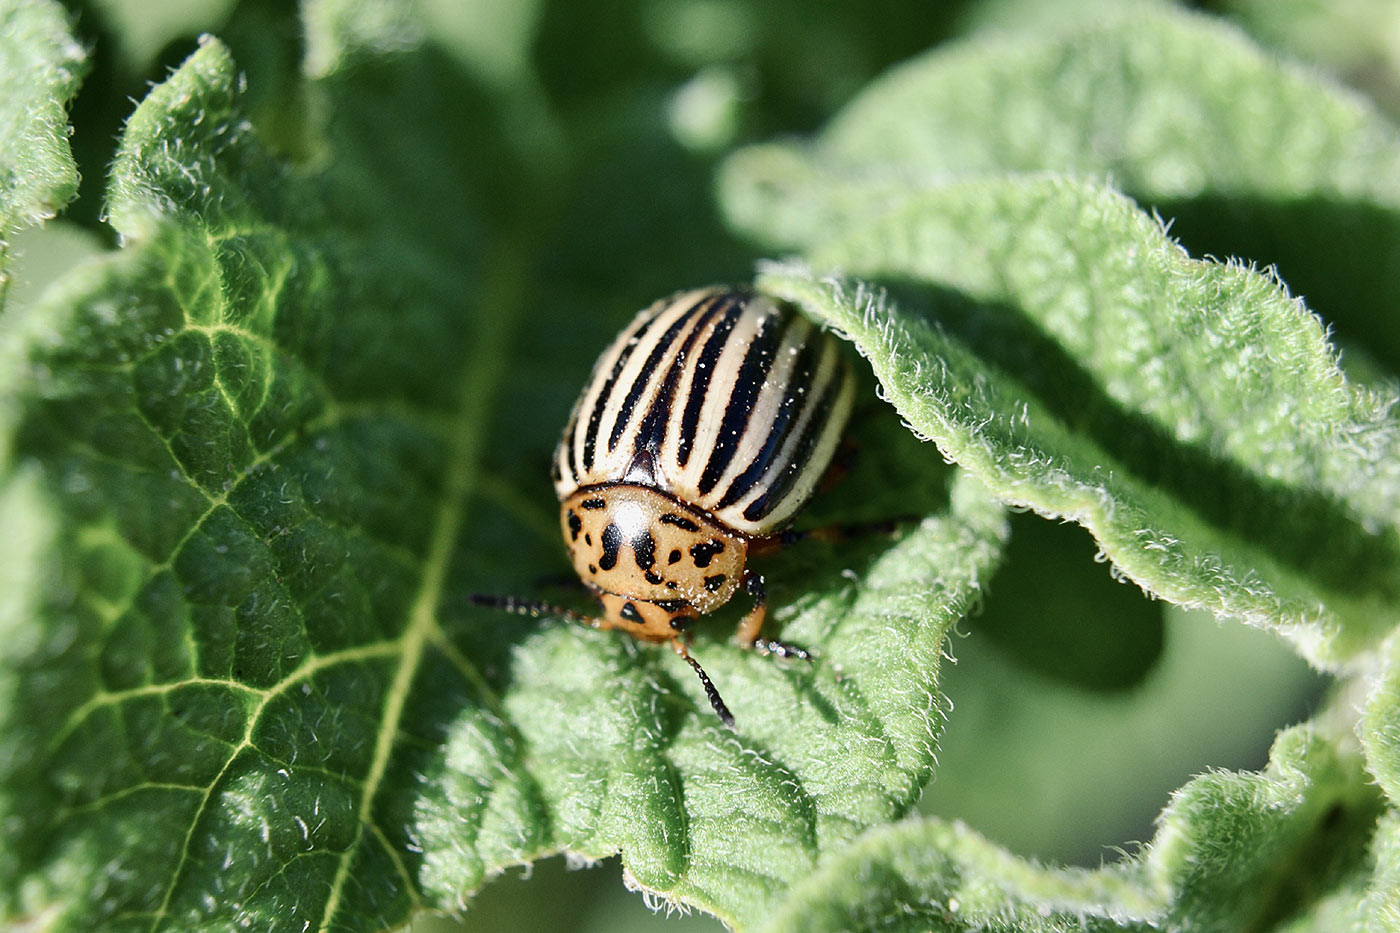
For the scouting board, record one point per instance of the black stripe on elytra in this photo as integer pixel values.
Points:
(680, 521)
(733, 309)
(612, 540)
(590, 436)
(779, 486)
(639, 385)
(794, 400)
(593, 504)
(758, 360)
(651, 433)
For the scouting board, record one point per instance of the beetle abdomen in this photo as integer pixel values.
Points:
(727, 400)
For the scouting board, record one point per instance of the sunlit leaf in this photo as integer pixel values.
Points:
(40, 66)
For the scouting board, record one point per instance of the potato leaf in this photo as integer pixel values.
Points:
(260, 459)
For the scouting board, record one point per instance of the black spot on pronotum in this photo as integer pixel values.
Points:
(652, 577)
(592, 568)
(705, 551)
(644, 549)
(588, 539)
(575, 525)
(674, 557)
(592, 504)
(681, 623)
(612, 540)
(685, 524)
(672, 605)
(630, 613)
(714, 583)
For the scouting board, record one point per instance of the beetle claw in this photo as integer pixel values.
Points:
(782, 649)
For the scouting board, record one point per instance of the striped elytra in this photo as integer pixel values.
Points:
(724, 399)
(702, 431)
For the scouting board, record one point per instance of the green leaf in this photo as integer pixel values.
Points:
(40, 66)
(1380, 909)
(1049, 337)
(1055, 341)
(1102, 762)
(1351, 38)
(1210, 443)
(728, 822)
(1168, 103)
(1246, 154)
(1379, 728)
(253, 464)
(259, 459)
(1232, 852)
(931, 875)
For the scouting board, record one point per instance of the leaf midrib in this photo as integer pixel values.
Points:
(482, 374)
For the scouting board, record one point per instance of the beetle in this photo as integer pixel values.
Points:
(701, 433)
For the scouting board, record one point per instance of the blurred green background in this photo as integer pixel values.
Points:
(1076, 704)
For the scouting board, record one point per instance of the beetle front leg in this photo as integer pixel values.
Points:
(752, 623)
(535, 609)
(682, 648)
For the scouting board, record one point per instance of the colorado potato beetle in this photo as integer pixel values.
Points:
(702, 431)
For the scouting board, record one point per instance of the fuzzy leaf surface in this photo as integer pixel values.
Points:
(40, 66)
(1189, 414)
(1232, 852)
(259, 462)
(1245, 153)
(1049, 335)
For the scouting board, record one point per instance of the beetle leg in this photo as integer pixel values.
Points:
(534, 609)
(752, 623)
(829, 533)
(716, 701)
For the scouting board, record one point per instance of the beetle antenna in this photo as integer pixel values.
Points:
(527, 607)
(725, 716)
